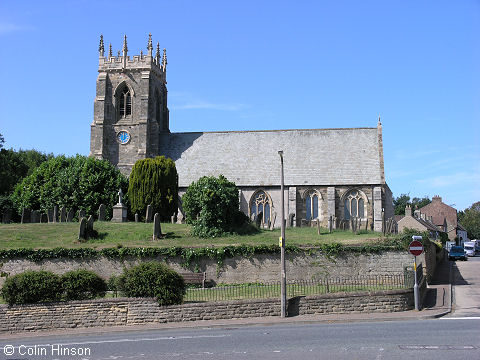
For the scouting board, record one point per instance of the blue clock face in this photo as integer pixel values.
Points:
(123, 137)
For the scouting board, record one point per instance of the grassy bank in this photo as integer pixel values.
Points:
(48, 236)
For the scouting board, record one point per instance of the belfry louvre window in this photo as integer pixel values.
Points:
(354, 205)
(125, 102)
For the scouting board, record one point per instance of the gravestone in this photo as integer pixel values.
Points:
(81, 214)
(35, 217)
(157, 228)
(180, 218)
(50, 215)
(69, 216)
(137, 218)
(101, 212)
(330, 225)
(258, 220)
(90, 226)
(7, 217)
(172, 219)
(272, 223)
(148, 216)
(25, 216)
(63, 214)
(55, 213)
(82, 231)
(44, 218)
(291, 217)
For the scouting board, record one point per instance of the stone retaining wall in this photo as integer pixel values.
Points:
(258, 268)
(123, 311)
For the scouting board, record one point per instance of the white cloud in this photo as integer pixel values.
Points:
(209, 106)
(6, 28)
(456, 179)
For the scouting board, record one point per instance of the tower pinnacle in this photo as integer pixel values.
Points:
(125, 51)
(164, 60)
(157, 54)
(149, 45)
(101, 48)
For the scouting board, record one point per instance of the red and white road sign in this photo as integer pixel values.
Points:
(415, 248)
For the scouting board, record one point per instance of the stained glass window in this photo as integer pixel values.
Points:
(354, 205)
(260, 203)
(311, 204)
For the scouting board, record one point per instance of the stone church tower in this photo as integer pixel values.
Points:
(130, 109)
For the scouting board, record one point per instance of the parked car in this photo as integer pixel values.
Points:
(469, 247)
(457, 252)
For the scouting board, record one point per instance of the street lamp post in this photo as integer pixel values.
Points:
(283, 291)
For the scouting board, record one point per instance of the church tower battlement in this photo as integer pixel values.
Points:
(130, 107)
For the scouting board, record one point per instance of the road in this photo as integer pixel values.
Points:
(466, 287)
(423, 339)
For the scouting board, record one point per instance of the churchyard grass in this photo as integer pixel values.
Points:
(131, 234)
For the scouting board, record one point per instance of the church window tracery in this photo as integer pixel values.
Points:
(311, 203)
(354, 205)
(260, 203)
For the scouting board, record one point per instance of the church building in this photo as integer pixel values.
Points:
(331, 175)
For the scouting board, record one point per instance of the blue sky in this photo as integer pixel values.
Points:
(252, 65)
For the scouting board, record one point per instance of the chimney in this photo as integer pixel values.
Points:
(408, 210)
(437, 198)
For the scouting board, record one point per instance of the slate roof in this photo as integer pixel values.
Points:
(250, 158)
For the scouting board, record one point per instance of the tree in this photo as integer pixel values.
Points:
(401, 202)
(470, 220)
(154, 182)
(15, 165)
(78, 182)
(2, 141)
(211, 205)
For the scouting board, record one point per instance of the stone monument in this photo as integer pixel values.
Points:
(119, 210)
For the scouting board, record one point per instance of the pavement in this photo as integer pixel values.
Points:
(437, 303)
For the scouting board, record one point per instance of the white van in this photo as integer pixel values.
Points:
(469, 247)
(477, 246)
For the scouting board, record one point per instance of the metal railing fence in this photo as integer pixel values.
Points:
(299, 288)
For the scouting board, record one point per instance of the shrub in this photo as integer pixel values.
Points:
(32, 287)
(78, 182)
(153, 279)
(154, 182)
(115, 284)
(83, 284)
(211, 206)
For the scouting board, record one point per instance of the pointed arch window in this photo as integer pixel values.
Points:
(125, 102)
(354, 205)
(311, 203)
(260, 204)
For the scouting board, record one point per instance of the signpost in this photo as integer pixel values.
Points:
(415, 248)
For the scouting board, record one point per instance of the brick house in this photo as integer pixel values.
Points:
(419, 222)
(442, 215)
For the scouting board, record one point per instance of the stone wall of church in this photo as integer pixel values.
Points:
(295, 203)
